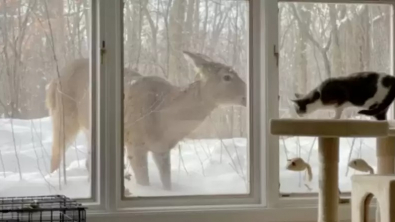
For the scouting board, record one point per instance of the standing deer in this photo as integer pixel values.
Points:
(157, 114)
(68, 102)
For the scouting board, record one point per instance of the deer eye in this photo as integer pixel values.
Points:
(227, 77)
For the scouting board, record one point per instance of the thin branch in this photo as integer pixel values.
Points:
(2, 164)
(182, 159)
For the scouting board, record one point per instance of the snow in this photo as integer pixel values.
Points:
(199, 167)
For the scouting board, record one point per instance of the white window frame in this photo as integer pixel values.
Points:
(264, 203)
(311, 199)
(113, 61)
(96, 36)
(112, 19)
(94, 201)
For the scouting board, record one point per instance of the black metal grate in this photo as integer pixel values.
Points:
(41, 208)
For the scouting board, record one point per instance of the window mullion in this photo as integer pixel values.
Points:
(98, 105)
(112, 88)
(270, 91)
(392, 50)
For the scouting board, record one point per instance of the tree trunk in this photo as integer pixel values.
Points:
(336, 52)
(301, 49)
(176, 21)
(189, 24)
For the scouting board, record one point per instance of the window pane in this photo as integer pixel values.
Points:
(185, 113)
(319, 41)
(38, 39)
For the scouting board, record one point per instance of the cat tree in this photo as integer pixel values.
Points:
(328, 132)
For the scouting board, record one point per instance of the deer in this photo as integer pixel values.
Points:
(68, 102)
(157, 114)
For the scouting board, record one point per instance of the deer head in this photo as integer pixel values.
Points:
(222, 85)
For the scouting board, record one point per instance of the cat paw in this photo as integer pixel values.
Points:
(364, 112)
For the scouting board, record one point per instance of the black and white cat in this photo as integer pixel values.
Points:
(373, 92)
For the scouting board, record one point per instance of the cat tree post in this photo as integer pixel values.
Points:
(328, 151)
(385, 153)
(329, 132)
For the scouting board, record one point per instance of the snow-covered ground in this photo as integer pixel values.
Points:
(199, 167)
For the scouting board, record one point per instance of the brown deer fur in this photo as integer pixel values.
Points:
(157, 114)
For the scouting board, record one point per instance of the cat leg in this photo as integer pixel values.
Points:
(162, 161)
(381, 116)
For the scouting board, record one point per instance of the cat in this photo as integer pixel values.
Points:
(373, 92)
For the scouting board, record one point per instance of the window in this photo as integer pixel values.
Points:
(39, 113)
(146, 60)
(189, 117)
(321, 40)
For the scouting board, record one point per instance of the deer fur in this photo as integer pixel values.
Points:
(157, 114)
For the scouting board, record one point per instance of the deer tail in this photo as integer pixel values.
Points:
(50, 99)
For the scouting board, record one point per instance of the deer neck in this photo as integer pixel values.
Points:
(193, 103)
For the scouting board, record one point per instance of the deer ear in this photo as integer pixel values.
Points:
(196, 59)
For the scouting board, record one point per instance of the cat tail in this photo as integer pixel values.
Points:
(384, 105)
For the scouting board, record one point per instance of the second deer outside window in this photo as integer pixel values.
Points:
(185, 82)
(44, 124)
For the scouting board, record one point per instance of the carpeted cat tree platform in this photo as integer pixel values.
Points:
(329, 131)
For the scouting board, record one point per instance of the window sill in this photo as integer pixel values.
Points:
(290, 214)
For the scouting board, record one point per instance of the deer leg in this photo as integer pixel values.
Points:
(138, 160)
(126, 173)
(63, 135)
(162, 161)
(88, 161)
(89, 153)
